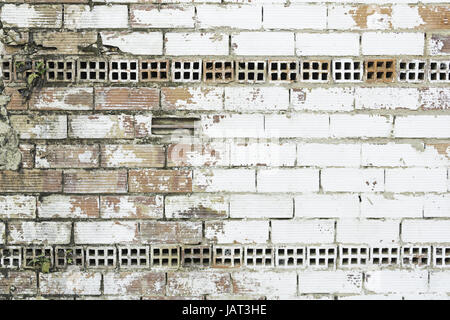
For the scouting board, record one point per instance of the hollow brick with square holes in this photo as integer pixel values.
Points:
(238, 151)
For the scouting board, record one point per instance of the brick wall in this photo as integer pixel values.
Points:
(224, 149)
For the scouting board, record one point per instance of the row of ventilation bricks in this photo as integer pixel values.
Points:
(145, 70)
(227, 256)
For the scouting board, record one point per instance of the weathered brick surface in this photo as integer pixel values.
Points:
(70, 283)
(67, 156)
(99, 181)
(138, 283)
(39, 232)
(190, 149)
(63, 99)
(171, 232)
(162, 181)
(140, 207)
(31, 181)
(126, 98)
(132, 156)
(56, 206)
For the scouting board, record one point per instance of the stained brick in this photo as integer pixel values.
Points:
(17, 206)
(40, 127)
(198, 283)
(59, 206)
(237, 231)
(16, 102)
(272, 284)
(31, 181)
(136, 207)
(39, 232)
(126, 98)
(64, 42)
(67, 156)
(439, 44)
(134, 283)
(70, 283)
(27, 151)
(98, 181)
(101, 126)
(198, 154)
(18, 283)
(149, 180)
(163, 232)
(192, 98)
(196, 206)
(132, 156)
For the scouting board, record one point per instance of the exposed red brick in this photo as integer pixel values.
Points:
(150, 180)
(435, 17)
(97, 181)
(31, 181)
(183, 155)
(126, 98)
(16, 102)
(186, 232)
(67, 156)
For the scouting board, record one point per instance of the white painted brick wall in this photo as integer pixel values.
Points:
(396, 281)
(83, 17)
(196, 43)
(391, 206)
(135, 42)
(352, 180)
(144, 16)
(287, 180)
(330, 282)
(303, 231)
(263, 44)
(420, 126)
(395, 43)
(374, 232)
(387, 98)
(327, 44)
(327, 206)
(435, 230)
(231, 16)
(261, 98)
(360, 125)
(224, 180)
(323, 99)
(297, 125)
(237, 231)
(295, 16)
(235, 125)
(401, 155)
(261, 206)
(416, 180)
(437, 206)
(105, 232)
(324, 154)
(263, 154)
